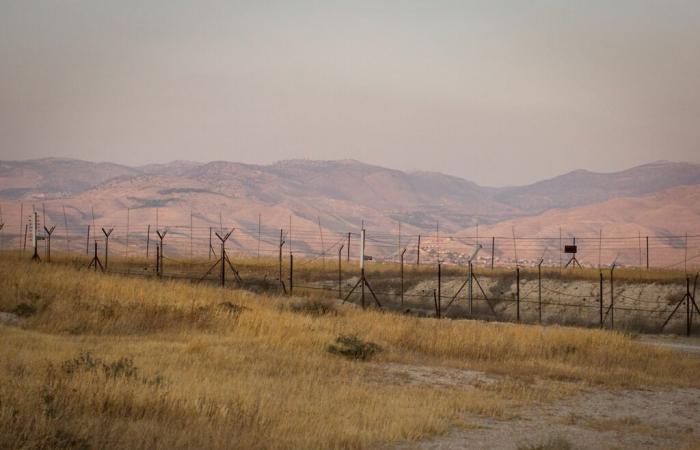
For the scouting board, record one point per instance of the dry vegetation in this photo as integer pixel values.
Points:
(103, 361)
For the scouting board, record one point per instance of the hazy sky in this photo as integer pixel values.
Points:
(497, 92)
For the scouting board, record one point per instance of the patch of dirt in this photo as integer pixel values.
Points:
(620, 419)
(410, 374)
(9, 319)
(689, 346)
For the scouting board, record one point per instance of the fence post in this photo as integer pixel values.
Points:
(687, 306)
(601, 299)
(439, 291)
(470, 286)
(493, 250)
(647, 253)
(517, 294)
(96, 255)
(402, 258)
(437, 311)
(49, 232)
(612, 298)
(87, 242)
(418, 252)
(280, 256)
(107, 233)
(348, 249)
(539, 290)
(291, 273)
(340, 271)
(148, 239)
(223, 263)
(21, 220)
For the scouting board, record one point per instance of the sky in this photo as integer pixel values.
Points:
(498, 92)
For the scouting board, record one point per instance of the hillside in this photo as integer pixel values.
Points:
(654, 199)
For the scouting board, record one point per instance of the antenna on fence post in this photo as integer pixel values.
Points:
(161, 236)
(340, 271)
(362, 282)
(49, 232)
(107, 233)
(96, 260)
(402, 258)
(418, 252)
(539, 289)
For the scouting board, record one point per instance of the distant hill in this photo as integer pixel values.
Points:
(583, 187)
(653, 198)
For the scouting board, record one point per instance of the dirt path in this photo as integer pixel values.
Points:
(628, 419)
(682, 344)
(594, 419)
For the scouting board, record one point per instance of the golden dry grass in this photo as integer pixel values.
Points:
(212, 377)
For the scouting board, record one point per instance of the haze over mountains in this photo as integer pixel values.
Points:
(656, 199)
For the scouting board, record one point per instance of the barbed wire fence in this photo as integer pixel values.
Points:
(324, 260)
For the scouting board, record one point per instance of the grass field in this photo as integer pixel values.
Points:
(104, 361)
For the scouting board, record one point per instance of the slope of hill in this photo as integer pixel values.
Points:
(55, 177)
(666, 216)
(330, 196)
(582, 187)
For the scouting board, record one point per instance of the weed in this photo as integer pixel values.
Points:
(354, 348)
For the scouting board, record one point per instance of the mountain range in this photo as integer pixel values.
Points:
(660, 198)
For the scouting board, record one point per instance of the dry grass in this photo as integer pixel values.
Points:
(221, 368)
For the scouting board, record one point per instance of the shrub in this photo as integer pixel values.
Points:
(24, 310)
(353, 347)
